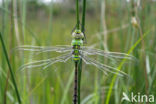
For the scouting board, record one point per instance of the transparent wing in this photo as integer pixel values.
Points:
(109, 55)
(43, 64)
(41, 49)
(103, 67)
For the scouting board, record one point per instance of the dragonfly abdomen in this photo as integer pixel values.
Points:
(76, 55)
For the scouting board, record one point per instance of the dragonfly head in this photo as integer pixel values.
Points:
(77, 34)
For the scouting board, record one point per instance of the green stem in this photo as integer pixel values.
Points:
(77, 14)
(80, 64)
(10, 68)
(50, 22)
(79, 81)
(83, 16)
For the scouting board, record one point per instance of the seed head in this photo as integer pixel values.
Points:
(134, 22)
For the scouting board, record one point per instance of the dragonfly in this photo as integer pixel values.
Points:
(76, 51)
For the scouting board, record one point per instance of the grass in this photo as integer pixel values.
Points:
(55, 84)
(10, 68)
(120, 66)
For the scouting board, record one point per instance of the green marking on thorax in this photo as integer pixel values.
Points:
(76, 43)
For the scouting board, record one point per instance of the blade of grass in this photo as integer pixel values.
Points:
(10, 68)
(88, 98)
(120, 66)
(38, 85)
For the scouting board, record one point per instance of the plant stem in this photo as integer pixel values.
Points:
(6, 88)
(50, 28)
(4, 22)
(16, 22)
(144, 62)
(140, 29)
(79, 81)
(10, 68)
(143, 46)
(75, 84)
(80, 63)
(77, 14)
(83, 16)
(103, 24)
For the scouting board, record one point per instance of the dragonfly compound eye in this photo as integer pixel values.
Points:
(77, 35)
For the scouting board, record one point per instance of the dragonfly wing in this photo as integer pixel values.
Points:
(46, 63)
(103, 67)
(41, 49)
(109, 55)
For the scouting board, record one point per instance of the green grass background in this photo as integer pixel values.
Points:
(50, 26)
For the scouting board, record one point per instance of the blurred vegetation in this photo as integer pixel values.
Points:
(109, 26)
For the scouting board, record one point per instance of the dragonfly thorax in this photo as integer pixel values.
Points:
(77, 34)
(77, 42)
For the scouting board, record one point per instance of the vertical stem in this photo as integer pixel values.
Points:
(141, 28)
(83, 16)
(16, 22)
(77, 14)
(10, 68)
(75, 84)
(6, 88)
(2, 56)
(3, 17)
(23, 15)
(79, 81)
(80, 63)
(103, 45)
(144, 63)
(3, 28)
(103, 23)
(133, 8)
(50, 21)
